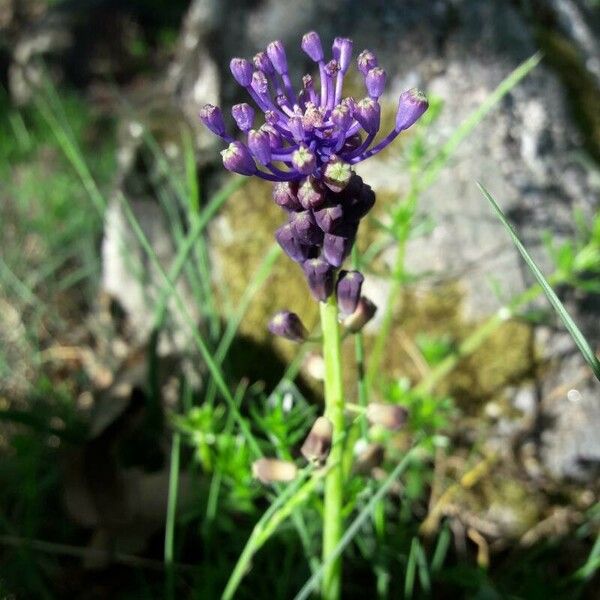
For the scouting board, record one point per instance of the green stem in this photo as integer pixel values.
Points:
(334, 481)
(171, 514)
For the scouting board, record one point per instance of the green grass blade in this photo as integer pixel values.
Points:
(466, 127)
(441, 549)
(572, 328)
(283, 506)
(423, 568)
(411, 569)
(171, 513)
(213, 368)
(256, 282)
(592, 564)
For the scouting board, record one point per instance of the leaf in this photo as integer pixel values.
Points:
(572, 328)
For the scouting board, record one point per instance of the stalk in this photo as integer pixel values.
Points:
(334, 481)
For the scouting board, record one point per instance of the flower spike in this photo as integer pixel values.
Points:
(308, 145)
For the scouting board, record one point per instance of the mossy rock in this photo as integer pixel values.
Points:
(240, 239)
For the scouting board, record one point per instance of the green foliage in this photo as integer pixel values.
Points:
(589, 256)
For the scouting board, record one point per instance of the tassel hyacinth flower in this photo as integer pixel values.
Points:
(307, 145)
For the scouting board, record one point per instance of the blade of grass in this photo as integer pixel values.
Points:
(444, 154)
(201, 250)
(411, 570)
(294, 495)
(578, 337)
(256, 282)
(423, 568)
(196, 337)
(441, 549)
(592, 564)
(171, 513)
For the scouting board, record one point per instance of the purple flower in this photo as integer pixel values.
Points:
(319, 275)
(311, 44)
(243, 115)
(286, 195)
(212, 117)
(411, 106)
(348, 289)
(237, 158)
(288, 325)
(308, 144)
(375, 82)
(241, 69)
(290, 244)
(318, 120)
(260, 145)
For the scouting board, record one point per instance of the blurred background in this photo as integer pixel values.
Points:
(133, 268)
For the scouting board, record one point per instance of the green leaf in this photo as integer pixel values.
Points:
(575, 332)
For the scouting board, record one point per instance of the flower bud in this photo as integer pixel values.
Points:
(329, 218)
(237, 158)
(411, 105)
(365, 311)
(275, 139)
(349, 285)
(271, 470)
(288, 325)
(366, 61)
(368, 114)
(341, 116)
(342, 52)
(259, 83)
(336, 249)
(212, 117)
(260, 145)
(390, 416)
(305, 229)
(290, 244)
(350, 102)
(311, 194)
(276, 53)
(319, 275)
(337, 174)
(375, 82)
(241, 69)
(317, 444)
(311, 44)
(371, 457)
(286, 194)
(304, 160)
(243, 115)
(263, 63)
